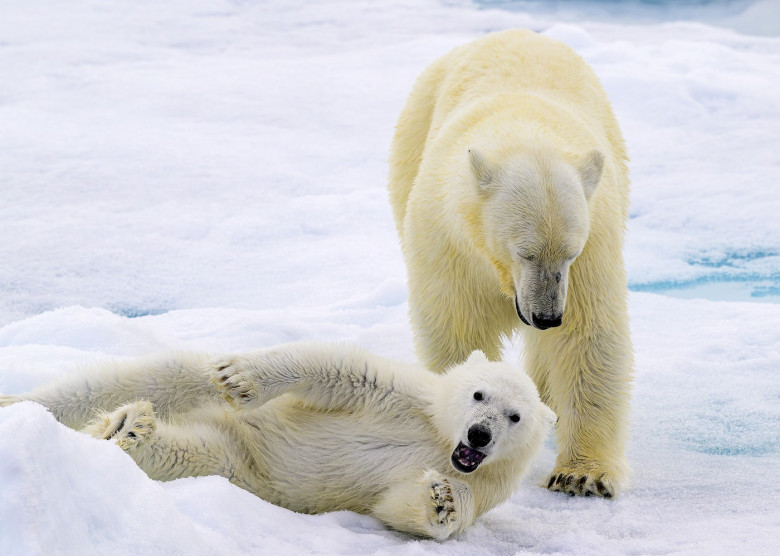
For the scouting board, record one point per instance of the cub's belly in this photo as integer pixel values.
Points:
(315, 462)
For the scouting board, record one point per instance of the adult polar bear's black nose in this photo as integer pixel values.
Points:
(543, 322)
(479, 436)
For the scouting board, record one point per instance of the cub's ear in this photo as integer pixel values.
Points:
(483, 170)
(476, 357)
(590, 171)
(549, 416)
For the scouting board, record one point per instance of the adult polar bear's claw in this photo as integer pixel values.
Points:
(582, 483)
(509, 186)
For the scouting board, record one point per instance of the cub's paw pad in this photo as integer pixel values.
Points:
(583, 484)
(127, 426)
(233, 382)
(443, 503)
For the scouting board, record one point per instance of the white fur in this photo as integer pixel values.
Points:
(509, 186)
(317, 428)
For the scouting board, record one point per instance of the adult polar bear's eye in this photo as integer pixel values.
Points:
(515, 417)
(479, 396)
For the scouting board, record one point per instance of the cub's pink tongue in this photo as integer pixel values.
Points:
(465, 459)
(468, 457)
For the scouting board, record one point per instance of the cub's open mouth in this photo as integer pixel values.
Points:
(465, 459)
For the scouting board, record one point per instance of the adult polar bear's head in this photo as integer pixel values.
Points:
(490, 411)
(534, 222)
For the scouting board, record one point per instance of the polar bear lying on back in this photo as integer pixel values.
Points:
(321, 428)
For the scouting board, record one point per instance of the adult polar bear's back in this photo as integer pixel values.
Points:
(530, 64)
(509, 186)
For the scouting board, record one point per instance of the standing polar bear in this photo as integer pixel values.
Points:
(321, 428)
(509, 186)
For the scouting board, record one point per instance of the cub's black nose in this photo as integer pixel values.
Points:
(543, 322)
(479, 436)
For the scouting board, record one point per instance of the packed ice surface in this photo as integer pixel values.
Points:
(217, 171)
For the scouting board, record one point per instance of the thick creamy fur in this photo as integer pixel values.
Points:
(317, 428)
(509, 185)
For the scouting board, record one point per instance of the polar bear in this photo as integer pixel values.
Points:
(321, 428)
(509, 186)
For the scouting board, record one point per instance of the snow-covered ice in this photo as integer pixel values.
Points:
(210, 175)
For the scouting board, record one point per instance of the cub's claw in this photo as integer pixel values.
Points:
(233, 383)
(443, 503)
(128, 426)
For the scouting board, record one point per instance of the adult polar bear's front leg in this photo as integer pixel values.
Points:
(583, 370)
(432, 506)
(327, 376)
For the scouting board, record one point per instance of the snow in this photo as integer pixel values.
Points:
(210, 175)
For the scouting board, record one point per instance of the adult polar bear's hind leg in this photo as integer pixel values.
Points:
(509, 185)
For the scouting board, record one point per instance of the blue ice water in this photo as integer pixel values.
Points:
(136, 312)
(659, 10)
(719, 428)
(719, 12)
(757, 290)
(729, 275)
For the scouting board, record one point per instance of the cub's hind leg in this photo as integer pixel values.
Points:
(9, 399)
(167, 451)
(128, 426)
(175, 384)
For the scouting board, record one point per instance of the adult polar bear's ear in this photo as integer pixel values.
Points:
(483, 170)
(590, 170)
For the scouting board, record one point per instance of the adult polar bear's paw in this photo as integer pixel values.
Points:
(128, 426)
(233, 381)
(583, 482)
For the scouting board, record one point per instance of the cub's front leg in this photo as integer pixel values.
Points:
(328, 376)
(434, 506)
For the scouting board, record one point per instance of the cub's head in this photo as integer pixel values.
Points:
(534, 223)
(490, 412)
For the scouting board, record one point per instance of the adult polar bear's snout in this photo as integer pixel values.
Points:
(535, 210)
(540, 293)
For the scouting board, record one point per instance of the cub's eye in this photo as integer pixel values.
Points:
(479, 396)
(515, 418)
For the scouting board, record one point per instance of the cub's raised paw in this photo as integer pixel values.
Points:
(129, 425)
(583, 483)
(233, 382)
(442, 513)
